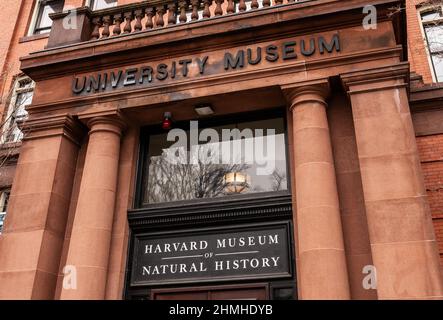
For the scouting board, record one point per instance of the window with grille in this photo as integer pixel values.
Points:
(4, 199)
(42, 23)
(432, 20)
(21, 98)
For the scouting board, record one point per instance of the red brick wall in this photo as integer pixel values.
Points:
(417, 54)
(14, 44)
(9, 16)
(431, 154)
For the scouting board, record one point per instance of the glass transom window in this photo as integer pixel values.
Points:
(211, 162)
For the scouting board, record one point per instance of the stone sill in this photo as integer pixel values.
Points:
(33, 37)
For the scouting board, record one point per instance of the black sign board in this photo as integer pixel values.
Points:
(254, 252)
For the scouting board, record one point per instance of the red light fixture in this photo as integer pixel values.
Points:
(167, 122)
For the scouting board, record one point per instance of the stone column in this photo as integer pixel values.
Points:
(33, 235)
(322, 267)
(401, 233)
(91, 233)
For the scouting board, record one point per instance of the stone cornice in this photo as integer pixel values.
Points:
(256, 23)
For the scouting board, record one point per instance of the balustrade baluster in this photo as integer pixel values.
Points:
(254, 4)
(277, 2)
(172, 15)
(230, 8)
(139, 14)
(159, 22)
(266, 3)
(206, 11)
(118, 18)
(150, 12)
(128, 17)
(218, 8)
(96, 31)
(107, 21)
(242, 6)
(183, 6)
(195, 5)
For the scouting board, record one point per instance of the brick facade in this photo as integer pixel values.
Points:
(431, 153)
(14, 43)
(417, 55)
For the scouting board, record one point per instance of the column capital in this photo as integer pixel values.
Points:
(376, 78)
(310, 91)
(111, 122)
(65, 124)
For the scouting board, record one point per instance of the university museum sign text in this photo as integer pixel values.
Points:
(197, 66)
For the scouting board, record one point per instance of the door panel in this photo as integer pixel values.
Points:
(244, 292)
(182, 296)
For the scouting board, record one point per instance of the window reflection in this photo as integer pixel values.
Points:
(240, 158)
(432, 21)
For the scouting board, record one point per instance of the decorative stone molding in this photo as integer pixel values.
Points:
(232, 211)
(377, 78)
(64, 124)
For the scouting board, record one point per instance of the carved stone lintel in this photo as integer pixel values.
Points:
(276, 207)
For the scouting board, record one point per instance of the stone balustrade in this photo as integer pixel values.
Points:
(144, 16)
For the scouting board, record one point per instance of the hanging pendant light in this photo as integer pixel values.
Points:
(236, 182)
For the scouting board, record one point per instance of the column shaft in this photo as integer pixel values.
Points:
(32, 240)
(91, 233)
(322, 265)
(402, 239)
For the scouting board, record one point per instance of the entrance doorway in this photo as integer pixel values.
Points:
(246, 292)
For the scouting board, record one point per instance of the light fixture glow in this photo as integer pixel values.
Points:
(236, 182)
(204, 110)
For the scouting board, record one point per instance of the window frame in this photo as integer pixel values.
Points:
(4, 197)
(423, 25)
(37, 15)
(10, 120)
(142, 155)
(92, 4)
